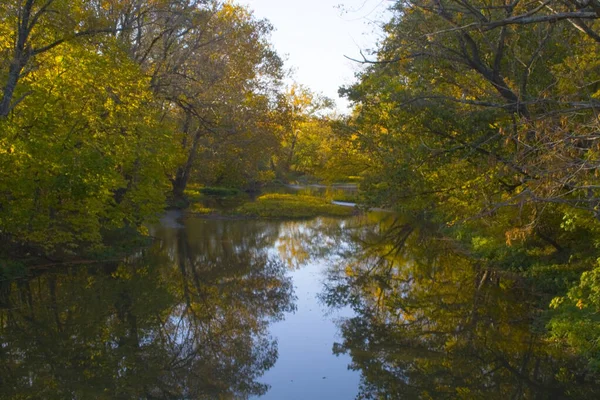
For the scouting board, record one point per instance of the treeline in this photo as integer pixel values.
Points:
(480, 124)
(108, 107)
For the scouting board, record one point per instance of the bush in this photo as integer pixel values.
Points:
(10, 269)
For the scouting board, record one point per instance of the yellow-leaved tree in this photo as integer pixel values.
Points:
(82, 151)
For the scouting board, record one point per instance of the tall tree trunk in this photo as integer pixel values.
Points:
(183, 172)
(8, 91)
(20, 58)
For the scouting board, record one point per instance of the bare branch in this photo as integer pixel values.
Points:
(525, 19)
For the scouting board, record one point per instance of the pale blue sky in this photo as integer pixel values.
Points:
(314, 35)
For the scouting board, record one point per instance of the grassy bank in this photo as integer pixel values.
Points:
(292, 206)
(277, 206)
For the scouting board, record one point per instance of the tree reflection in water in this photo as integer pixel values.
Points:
(300, 242)
(186, 319)
(432, 323)
(189, 317)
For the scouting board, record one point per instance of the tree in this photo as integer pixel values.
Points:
(477, 117)
(103, 101)
(35, 27)
(511, 82)
(299, 112)
(218, 75)
(84, 153)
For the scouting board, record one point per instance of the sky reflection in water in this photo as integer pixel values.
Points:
(226, 309)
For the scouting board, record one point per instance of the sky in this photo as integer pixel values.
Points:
(313, 36)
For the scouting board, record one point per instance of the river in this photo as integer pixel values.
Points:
(250, 309)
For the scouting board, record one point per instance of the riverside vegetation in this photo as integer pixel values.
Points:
(476, 122)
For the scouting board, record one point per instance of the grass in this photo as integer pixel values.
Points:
(271, 206)
(198, 208)
(192, 195)
(291, 206)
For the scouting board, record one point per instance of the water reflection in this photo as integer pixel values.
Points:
(300, 242)
(193, 317)
(187, 319)
(432, 323)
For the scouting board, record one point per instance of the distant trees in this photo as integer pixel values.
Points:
(304, 129)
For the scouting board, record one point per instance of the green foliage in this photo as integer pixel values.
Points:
(109, 104)
(282, 206)
(487, 130)
(81, 154)
(304, 131)
(193, 194)
(10, 269)
(199, 208)
(576, 319)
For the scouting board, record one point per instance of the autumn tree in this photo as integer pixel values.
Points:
(34, 27)
(445, 56)
(301, 117)
(81, 151)
(215, 82)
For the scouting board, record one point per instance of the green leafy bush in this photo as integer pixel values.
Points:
(577, 318)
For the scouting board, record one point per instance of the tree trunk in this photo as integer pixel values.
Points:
(9, 89)
(183, 172)
(19, 60)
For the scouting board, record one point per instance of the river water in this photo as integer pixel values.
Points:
(251, 309)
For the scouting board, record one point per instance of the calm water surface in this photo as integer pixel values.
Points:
(247, 309)
(306, 367)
